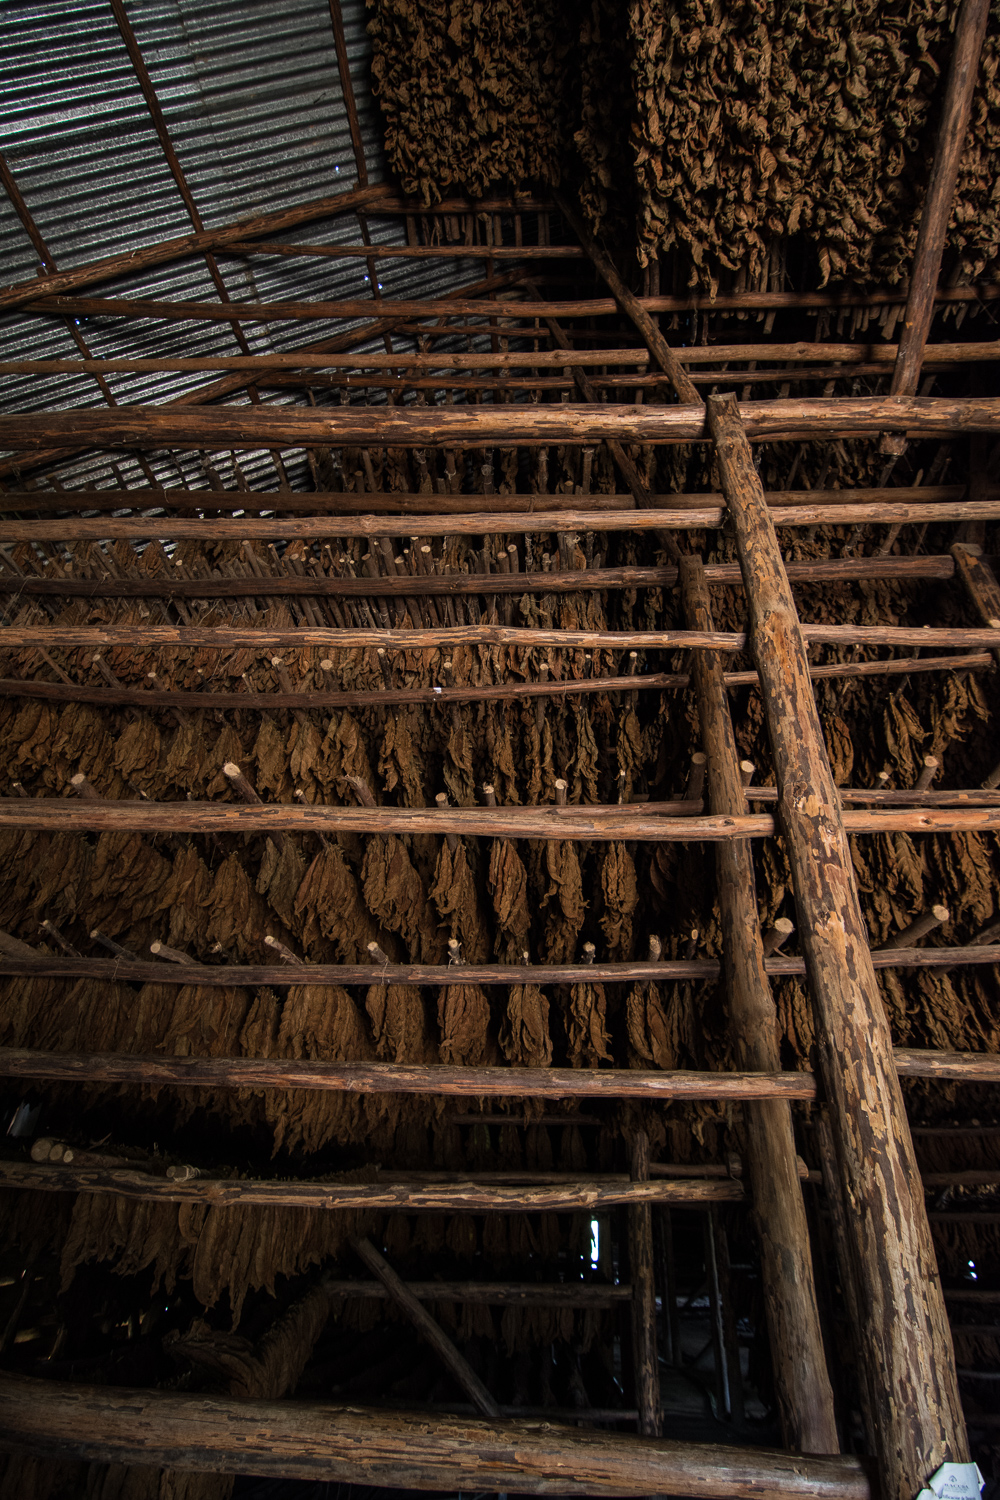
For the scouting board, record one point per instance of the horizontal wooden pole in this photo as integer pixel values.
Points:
(367, 516)
(446, 1080)
(225, 976)
(448, 637)
(533, 359)
(836, 570)
(129, 262)
(959, 1067)
(469, 1197)
(579, 821)
(351, 502)
(57, 814)
(62, 692)
(478, 426)
(318, 1441)
(400, 1078)
(495, 1293)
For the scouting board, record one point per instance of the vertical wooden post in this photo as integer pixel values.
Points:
(908, 1367)
(640, 1254)
(962, 72)
(802, 1385)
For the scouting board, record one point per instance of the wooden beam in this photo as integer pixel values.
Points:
(475, 523)
(34, 962)
(429, 1330)
(907, 1365)
(58, 814)
(392, 1078)
(318, 1441)
(59, 692)
(598, 1296)
(479, 426)
(447, 637)
(596, 580)
(802, 1384)
(561, 358)
(640, 1259)
(963, 70)
(439, 1078)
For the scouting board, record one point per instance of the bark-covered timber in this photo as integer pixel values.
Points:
(640, 1258)
(314, 1440)
(509, 521)
(535, 359)
(63, 692)
(58, 814)
(42, 965)
(595, 1295)
(402, 1078)
(802, 1383)
(468, 1197)
(526, 424)
(592, 580)
(963, 69)
(907, 1361)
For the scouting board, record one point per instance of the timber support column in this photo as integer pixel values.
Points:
(802, 1384)
(909, 1384)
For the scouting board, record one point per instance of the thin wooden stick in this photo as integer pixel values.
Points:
(593, 1295)
(640, 1253)
(429, 1330)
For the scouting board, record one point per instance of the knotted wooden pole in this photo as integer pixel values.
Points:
(907, 1360)
(802, 1385)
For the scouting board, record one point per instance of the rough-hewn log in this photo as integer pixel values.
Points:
(640, 1259)
(802, 1384)
(478, 426)
(392, 1078)
(592, 580)
(56, 814)
(963, 70)
(317, 1441)
(472, 1197)
(907, 1368)
(43, 966)
(350, 502)
(533, 359)
(229, 637)
(595, 1295)
(510, 522)
(960, 1067)
(429, 1330)
(61, 692)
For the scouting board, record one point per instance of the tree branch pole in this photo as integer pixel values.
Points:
(318, 1441)
(58, 814)
(480, 426)
(640, 1257)
(33, 962)
(952, 132)
(441, 1078)
(802, 1384)
(908, 1370)
(60, 692)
